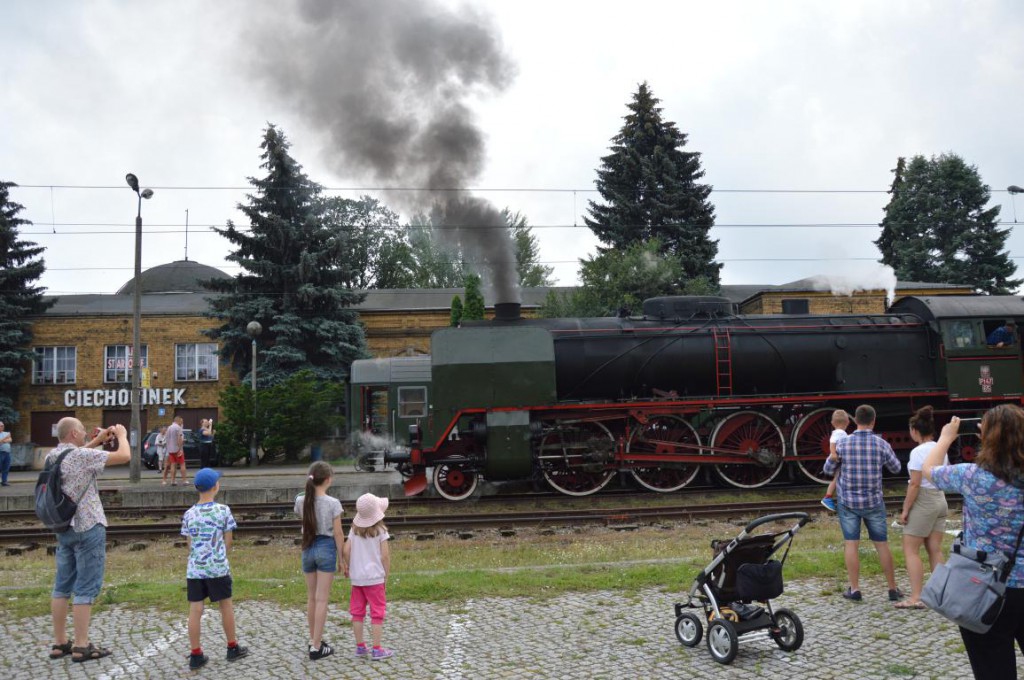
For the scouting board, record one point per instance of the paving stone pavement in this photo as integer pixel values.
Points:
(582, 635)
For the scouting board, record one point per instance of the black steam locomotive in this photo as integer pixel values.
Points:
(686, 387)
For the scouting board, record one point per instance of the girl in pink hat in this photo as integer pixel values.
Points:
(367, 563)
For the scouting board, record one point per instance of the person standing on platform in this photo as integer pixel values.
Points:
(5, 454)
(205, 442)
(161, 447)
(82, 549)
(859, 487)
(175, 451)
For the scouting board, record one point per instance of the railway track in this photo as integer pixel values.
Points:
(400, 523)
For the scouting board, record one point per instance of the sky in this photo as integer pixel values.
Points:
(799, 110)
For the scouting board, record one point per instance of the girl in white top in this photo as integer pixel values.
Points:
(924, 510)
(367, 560)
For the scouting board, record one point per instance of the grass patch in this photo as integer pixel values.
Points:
(530, 565)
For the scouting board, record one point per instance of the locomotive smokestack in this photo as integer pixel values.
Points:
(507, 311)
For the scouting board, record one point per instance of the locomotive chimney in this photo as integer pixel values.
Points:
(506, 311)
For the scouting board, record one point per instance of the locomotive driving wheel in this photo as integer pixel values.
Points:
(662, 435)
(455, 481)
(755, 435)
(811, 438)
(576, 458)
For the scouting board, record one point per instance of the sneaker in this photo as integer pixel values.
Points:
(361, 651)
(381, 653)
(895, 595)
(196, 661)
(237, 652)
(829, 503)
(852, 595)
(317, 654)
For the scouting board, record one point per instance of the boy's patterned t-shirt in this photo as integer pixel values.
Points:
(205, 524)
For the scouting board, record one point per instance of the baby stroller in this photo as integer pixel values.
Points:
(742, 572)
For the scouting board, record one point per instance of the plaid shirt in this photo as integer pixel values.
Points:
(862, 456)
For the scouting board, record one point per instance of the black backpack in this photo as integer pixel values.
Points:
(54, 508)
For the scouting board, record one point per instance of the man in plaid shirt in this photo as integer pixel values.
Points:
(859, 459)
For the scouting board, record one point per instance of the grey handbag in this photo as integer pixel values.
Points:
(970, 588)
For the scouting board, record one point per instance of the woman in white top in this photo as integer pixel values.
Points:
(924, 510)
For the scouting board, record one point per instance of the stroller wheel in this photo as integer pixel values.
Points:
(689, 629)
(723, 642)
(791, 631)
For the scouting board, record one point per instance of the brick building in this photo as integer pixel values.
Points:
(83, 343)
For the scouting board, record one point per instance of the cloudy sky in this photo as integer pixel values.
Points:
(799, 109)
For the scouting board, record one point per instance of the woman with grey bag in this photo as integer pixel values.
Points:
(993, 506)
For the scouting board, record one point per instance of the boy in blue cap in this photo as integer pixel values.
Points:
(209, 526)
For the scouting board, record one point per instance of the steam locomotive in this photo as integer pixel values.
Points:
(686, 387)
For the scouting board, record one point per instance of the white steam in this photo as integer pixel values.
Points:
(878, 277)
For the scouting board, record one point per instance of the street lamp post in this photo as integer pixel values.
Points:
(1014, 190)
(254, 329)
(135, 469)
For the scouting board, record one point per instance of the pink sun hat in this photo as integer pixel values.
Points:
(369, 510)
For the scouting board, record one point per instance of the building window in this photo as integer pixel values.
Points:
(195, 361)
(412, 402)
(117, 365)
(796, 306)
(54, 366)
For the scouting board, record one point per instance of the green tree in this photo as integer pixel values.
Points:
(617, 282)
(20, 299)
(437, 264)
(293, 281)
(379, 252)
(532, 273)
(651, 190)
(287, 417)
(456, 317)
(474, 307)
(937, 227)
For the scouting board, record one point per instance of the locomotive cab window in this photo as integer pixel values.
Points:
(999, 331)
(962, 334)
(412, 402)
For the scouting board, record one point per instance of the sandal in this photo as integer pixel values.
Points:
(89, 653)
(61, 650)
(907, 604)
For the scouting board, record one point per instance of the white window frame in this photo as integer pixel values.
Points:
(404, 403)
(196, 362)
(121, 373)
(55, 365)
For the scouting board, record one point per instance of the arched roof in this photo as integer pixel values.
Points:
(183, 276)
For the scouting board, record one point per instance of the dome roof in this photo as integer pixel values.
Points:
(183, 276)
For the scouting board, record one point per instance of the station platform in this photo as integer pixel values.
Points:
(239, 485)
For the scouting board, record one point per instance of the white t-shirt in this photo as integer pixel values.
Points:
(837, 436)
(916, 462)
(365, 567)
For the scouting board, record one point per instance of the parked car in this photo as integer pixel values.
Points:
(150, 459)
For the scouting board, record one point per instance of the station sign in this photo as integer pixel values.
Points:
(122, 397)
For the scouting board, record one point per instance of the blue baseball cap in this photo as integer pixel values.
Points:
(206, 479)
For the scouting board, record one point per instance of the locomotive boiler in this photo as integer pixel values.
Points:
(686, 387)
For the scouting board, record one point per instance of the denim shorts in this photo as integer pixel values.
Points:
(874, 518)
(81, 558)
(321, 556)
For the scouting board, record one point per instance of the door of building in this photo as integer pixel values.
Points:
(44, 426)
(122, 417)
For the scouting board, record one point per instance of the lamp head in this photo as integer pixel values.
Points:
(1014, 189)
(254, 329)
(147, 193)
(133, 182)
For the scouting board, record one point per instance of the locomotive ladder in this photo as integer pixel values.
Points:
(723, 361)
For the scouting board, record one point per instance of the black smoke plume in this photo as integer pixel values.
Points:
(388, 82)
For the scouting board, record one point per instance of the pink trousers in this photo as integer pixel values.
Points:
(372, 595)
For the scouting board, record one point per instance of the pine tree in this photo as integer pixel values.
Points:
(532, 273)
(937, 228)
(474, 307)
(295, 268)
(651, 190)
(20, 300)
(456, 318)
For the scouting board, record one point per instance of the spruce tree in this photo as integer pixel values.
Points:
(20, 299)
(474, 307)
(937, 227)
(295, 267)
(456, 317)
(651, 189)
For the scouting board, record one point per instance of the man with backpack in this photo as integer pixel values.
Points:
(82, 548)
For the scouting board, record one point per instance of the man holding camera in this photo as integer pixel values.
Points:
(860, 458)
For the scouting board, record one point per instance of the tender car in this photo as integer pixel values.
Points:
(150, 460)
